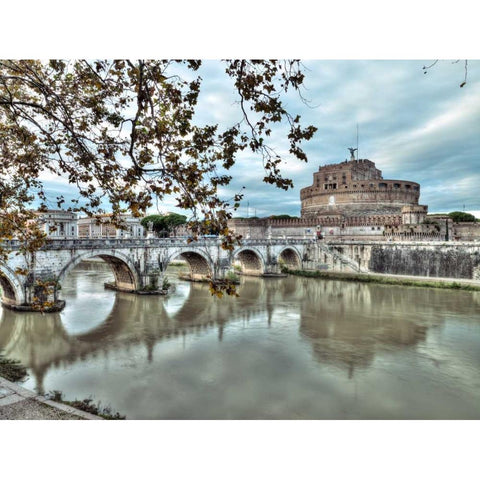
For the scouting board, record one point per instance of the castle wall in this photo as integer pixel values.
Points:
(466, 231)
(358, 200)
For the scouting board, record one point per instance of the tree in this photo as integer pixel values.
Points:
(465, 66)
(283, 216)
(174, 220)
(462, 217)
(157, 221)
(123, 131)
(164, 224)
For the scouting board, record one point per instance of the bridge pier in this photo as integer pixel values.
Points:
(151, 284)
(38, 296)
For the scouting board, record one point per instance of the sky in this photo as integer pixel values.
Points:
(415, 126)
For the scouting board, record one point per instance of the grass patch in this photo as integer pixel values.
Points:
(358, 277)
(178, 264)
(149, 288)
(231, 276)
(87, 405)
(12, 370)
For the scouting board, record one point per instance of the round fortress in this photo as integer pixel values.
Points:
(355, 188)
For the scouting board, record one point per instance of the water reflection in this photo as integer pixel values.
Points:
(286, 348)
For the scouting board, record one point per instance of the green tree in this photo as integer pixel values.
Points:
(158, 223)
(123, 132)
(281, 217)
(462, 217)
(164, 224)
(174, 220)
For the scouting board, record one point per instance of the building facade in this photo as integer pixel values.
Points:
(58, 223)
(102, 227)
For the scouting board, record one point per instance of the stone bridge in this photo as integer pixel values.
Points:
(138, 264)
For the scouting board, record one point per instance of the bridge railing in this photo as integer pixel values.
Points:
(102, 243)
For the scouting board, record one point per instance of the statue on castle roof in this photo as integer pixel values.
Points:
(352, 153)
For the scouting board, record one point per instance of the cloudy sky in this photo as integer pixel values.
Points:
(414, 126)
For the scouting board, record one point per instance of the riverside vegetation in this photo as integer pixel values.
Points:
(87, 405)
(358, 277)
(12, 370)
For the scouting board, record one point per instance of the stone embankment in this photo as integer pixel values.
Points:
(387, 279)
(434, 260)
(18, 403)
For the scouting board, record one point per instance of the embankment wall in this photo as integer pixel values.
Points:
(423, 259)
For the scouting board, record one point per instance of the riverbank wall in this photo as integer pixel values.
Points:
(453, 260)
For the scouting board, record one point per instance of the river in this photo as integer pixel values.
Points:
(286, 348)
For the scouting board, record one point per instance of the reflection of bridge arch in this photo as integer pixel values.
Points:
(125, 272)
(251, 261)
(41, 343)
(12, 291)
(193, 305)
(199, 263)
(291, 257)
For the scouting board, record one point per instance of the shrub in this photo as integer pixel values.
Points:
(462, 217)
(166, 284)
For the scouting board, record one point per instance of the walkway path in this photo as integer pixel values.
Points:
(18, 403)
(462, 281)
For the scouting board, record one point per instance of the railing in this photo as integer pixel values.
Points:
(102, 243)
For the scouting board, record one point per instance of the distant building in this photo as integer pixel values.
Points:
(102, 227)
(351, 200)
(58, 223)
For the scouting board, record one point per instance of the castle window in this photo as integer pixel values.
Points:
(396, 185)
(372, 185)
(362, 186)
(382, 185)
(415, 188)
(325, 186)
(408, 187)
(354, 186)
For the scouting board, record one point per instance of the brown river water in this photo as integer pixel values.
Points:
(287, 348)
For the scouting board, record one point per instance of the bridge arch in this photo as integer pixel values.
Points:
(251, 261)
(12, 291)
(200, 263)
(291, 258)
(124, 271)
